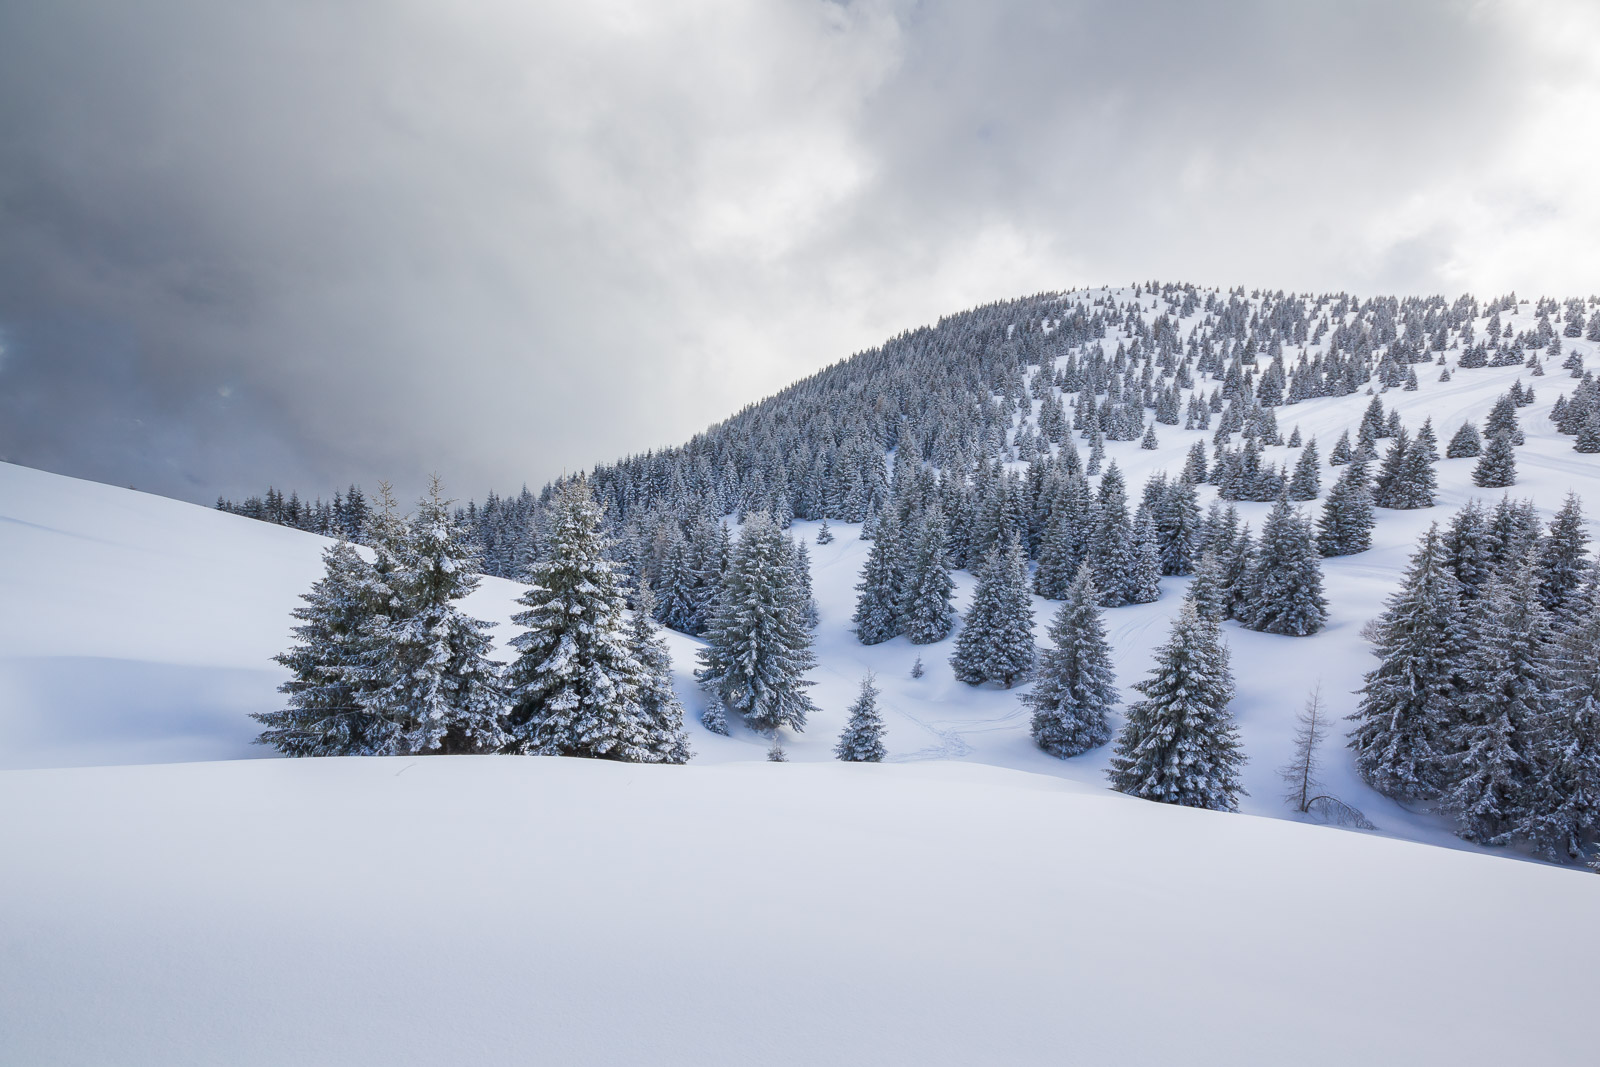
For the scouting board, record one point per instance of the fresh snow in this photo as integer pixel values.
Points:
(538, 910)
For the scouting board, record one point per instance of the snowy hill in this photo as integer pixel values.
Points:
(975, 900)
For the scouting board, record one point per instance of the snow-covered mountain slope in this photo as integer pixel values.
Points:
(141, 629)
(513, 910)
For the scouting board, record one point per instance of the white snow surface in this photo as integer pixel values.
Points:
(164, 901)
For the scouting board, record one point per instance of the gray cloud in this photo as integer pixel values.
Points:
(308, 243)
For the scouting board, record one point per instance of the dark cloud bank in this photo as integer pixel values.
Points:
(309, 243)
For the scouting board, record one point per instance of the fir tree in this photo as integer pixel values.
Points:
(862, 739)
(1306, 482)
(1075, 689)
(339, 628)
(1206, 592)
(758, 648)
(1345, 526)
(824, 535)
(877, 615)
(661, 710)
(1498, 466)
(1465, 444)
(1408, 702)
(1111, 552)
(1561, 810)
(575, 682)
(928, 589)
(1180, 745)
(1561, 559)
(1144, 576)
(715, 716)
(996, 639)
(1286, 579)
(1506, 695)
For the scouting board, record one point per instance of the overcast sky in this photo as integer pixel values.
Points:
(310, 243)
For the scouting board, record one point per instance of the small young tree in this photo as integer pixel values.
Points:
(1076, 687)
(824, 535)
(1498, 466)
(1300, 773)
(862, 739)
(1180, 745)
(1465, 444)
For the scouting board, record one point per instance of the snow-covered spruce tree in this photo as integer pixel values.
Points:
(1307, 481)
(996, 639)
(1180, 745)
(862, 739)
(877, 615)
(1111, 551)
(1561, 811)
(1286, 579)
(1206, 592)
(1561, 560)
(1506, 696)
(757, 648)
(925, 599)
(1497, 468)
(432, 679)
(1408, 704)
(1178, 528)
(574, 685)
(1465, 444)
(1345, 526)
(658, 704)
(824, 535)
(1144, 575)
(1064, 539)
(1075, 687)
(338, 629)
(715, 716)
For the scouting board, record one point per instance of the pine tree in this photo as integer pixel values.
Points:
(824, 535)
(1498, 466)
(1345, 527)
(758, 648)
(862, 739)
(575, 682)
(1286, 580)
(1465, 444)
(339, 627)
(1180, 745)
(877, 615)
(1408, 702)
(1508, 674)
(1075, 689)
(1178, 528)
(661, 710)
(996, 639)
(925, 599)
